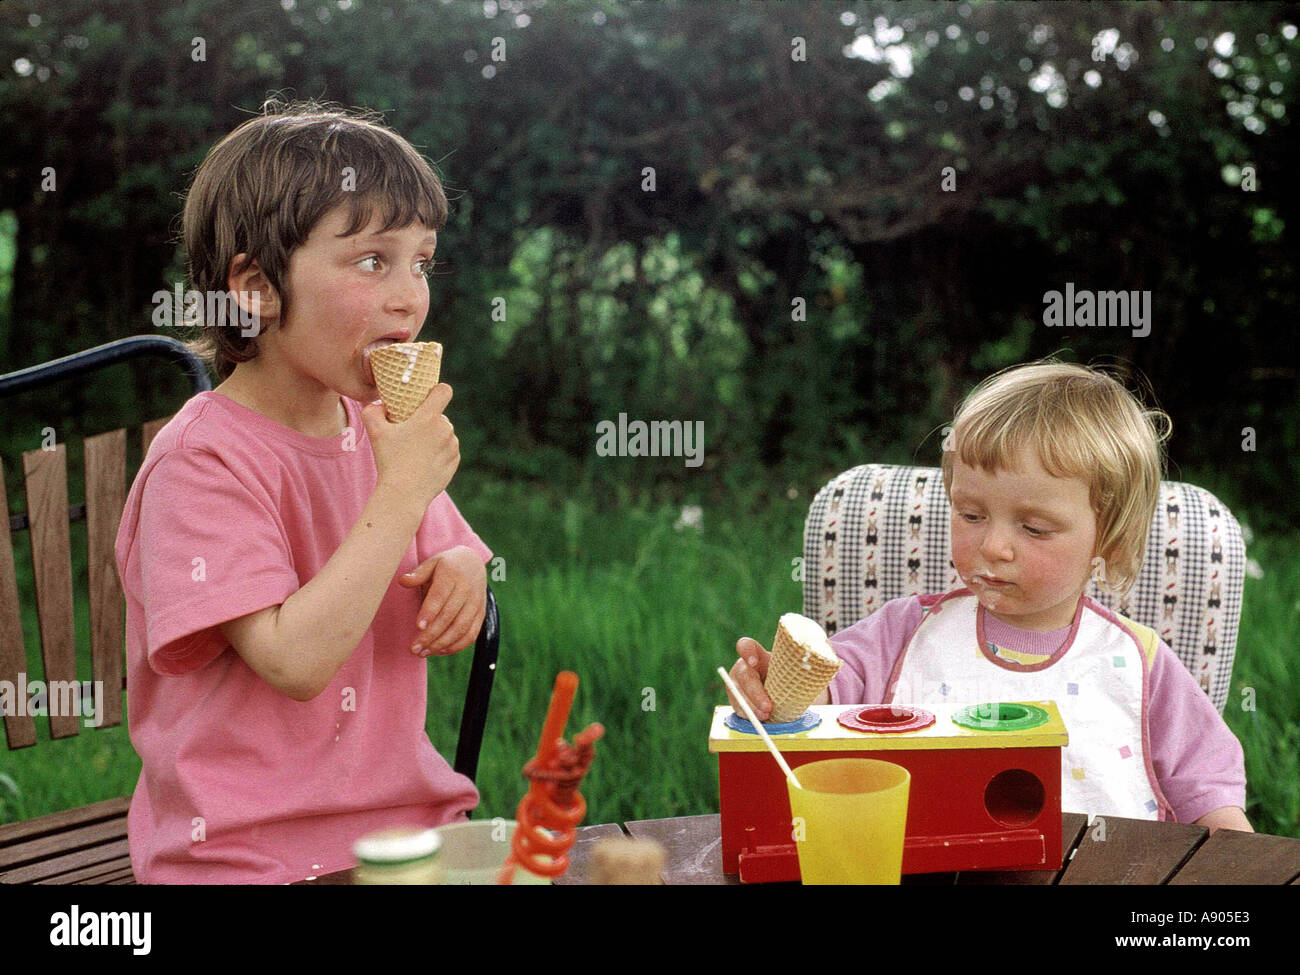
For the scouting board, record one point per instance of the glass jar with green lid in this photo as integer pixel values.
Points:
(403, 855)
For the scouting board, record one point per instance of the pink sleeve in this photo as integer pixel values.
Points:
(210, 550)
(444, 527)
(869, 649)
(1197, 759)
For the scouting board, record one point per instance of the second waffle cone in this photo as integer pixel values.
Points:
(795, 676)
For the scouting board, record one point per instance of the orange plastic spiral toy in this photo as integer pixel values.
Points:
(553, 802)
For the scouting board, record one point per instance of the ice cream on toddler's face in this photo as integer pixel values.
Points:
(802, 665)
(404, 372)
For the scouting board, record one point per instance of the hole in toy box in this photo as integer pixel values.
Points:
(1015, 797)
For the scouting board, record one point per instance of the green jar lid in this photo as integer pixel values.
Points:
(1000, 717)
(392, 847)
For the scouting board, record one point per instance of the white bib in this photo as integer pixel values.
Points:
(1098, 680)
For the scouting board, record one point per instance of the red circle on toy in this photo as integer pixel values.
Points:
(887, 718)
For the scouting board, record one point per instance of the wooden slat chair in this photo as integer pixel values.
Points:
(89, 845)
(877, 532)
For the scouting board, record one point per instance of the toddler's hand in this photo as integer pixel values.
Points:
(749, 672)
(416, 458)
(455, 600)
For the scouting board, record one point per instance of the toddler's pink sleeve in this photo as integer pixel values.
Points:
(869, 649)
(1196, 757)
(211, 549)
(444, 527)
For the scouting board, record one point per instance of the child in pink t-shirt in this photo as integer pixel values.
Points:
(289, 556)
(1052, 472)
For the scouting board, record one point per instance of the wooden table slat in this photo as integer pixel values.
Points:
(42, 847)
(68, 819)
(693, 845)
(100, 873)
(63, 864)
(126, 876)
(579, 871)
(1233, 857)
(1131, 851)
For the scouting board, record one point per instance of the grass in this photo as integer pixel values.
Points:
(1263, 708)
(644, 612)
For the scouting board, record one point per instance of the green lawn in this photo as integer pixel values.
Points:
(644, 613)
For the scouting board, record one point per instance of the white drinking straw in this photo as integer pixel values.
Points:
(758, 726)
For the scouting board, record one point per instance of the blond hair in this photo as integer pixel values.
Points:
(262, 189)
(1080, 422)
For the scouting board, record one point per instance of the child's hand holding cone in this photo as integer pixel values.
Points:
(416, 451)
(800, 667)
(749, 673)
(782, 684)
(415, 460)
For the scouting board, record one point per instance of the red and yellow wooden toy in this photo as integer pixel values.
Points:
(985, 792)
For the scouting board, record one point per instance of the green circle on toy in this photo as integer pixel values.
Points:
(1000, 717)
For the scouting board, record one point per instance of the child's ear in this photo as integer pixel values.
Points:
(246, 278)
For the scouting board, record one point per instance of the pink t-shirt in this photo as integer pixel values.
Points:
(232, 513)
(1196, 757)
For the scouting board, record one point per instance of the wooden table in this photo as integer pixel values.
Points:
(1111, 851)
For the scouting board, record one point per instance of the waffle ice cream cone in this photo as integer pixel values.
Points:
(404, 373)
(801, 666)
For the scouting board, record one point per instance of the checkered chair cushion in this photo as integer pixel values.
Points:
(878, 532)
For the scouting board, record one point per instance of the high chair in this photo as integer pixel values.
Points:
(89, 845)
(877, 532)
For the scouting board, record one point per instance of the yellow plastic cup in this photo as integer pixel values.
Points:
(848, 820)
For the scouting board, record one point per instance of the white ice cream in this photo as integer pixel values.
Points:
(412, 357)
(810, 636)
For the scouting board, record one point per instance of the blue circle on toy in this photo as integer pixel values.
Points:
(805, 722)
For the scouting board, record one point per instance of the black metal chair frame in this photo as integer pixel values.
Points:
(473, 719)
